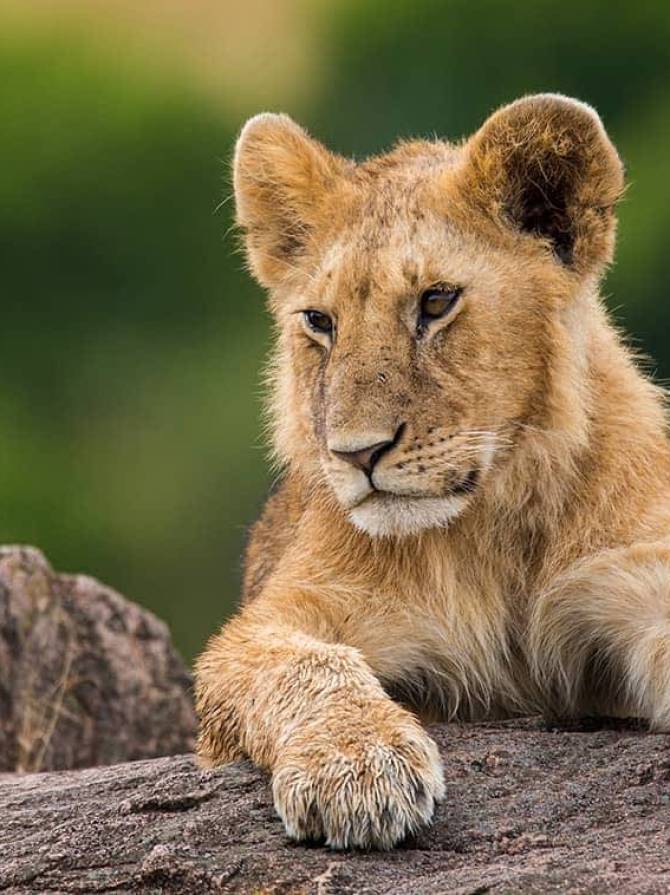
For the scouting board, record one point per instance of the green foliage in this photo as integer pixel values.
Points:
(131, 338)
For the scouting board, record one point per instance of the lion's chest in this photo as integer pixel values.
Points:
(453, 649)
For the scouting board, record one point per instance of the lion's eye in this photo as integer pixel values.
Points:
(437, 302)
(318, 321)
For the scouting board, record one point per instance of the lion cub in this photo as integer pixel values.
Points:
(474, 519)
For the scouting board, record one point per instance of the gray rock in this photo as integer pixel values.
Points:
(528, 810)
(86, 677)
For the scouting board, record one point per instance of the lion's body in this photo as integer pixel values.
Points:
(454, 618)
(509, 551)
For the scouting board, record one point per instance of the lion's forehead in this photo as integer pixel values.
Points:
(368, 265)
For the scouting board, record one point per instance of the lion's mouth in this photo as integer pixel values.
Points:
(463, 487)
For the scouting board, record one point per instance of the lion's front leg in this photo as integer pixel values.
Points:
(348, 764)
(605, 624)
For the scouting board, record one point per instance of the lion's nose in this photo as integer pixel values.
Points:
(365, 458)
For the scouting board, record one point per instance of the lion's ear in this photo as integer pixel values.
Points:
(545, 165)
(282, 177)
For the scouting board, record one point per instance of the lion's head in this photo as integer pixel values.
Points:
(424, 297)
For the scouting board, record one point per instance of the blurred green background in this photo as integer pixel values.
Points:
(131, 340)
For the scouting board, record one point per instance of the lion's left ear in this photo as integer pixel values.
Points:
(545, 165)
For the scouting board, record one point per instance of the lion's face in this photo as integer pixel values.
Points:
(411, 364)
(417, 322)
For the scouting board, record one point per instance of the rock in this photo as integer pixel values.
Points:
(528, 810)
(86, 677)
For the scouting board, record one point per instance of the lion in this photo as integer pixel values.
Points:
(473, 520)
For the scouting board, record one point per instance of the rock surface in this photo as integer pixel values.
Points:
(528, 810)
(86, 677)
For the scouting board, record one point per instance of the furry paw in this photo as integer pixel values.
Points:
(356, 790)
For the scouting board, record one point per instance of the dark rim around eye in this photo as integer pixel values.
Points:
(437, 302)
(318, 321)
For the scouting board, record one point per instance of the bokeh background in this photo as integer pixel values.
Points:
(131, 339)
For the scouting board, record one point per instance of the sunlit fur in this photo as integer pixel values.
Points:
(544, 585)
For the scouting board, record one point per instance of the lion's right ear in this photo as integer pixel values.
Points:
(282, 178)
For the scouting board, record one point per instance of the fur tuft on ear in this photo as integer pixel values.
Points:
(281, 178)
(545, 165)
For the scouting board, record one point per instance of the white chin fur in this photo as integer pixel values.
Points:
(386, 516)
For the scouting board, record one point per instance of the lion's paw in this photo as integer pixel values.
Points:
(360, 794)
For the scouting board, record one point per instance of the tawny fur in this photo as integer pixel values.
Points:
(371, 603)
